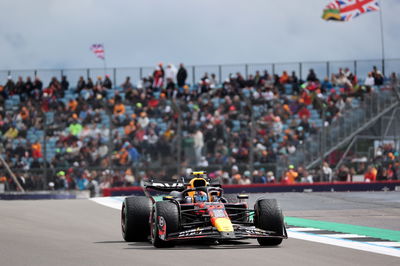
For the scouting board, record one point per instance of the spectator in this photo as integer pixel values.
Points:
(127, 84)
(107, 82)
(143, 120)
(81, 84)
(198, 145)
(370, 175)
(158, 76)
(119, 109)
(290, 176)
(246, 178)
(64, 83)
(394, 81)
(181, 76)
(326, 172)
(170, 73)
(344, 174)
(284, 78)
(378, 77)
(312, 77)
(10, 87)
(369, 81)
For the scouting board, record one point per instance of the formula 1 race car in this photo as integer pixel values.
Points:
(198, 210)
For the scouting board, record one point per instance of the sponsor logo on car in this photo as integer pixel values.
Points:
(191, 232)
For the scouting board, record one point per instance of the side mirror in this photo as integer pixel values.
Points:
(242, 196)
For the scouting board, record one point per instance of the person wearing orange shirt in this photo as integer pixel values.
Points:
(290, 175)
(370, 175)
(72, 105)
(119, 109)
(284, 78)
(36, 150)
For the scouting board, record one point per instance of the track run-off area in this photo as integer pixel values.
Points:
(332, 228)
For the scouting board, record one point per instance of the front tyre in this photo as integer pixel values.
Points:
(268, 216)
(165, 221)
(135, 216)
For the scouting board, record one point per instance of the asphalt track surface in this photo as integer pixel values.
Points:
(82, 232)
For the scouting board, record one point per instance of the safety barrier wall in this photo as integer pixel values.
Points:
(268, 188)
(44, 195)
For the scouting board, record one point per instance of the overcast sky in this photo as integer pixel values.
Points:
(57, 34)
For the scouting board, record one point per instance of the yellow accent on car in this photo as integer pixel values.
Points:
(223, 225)
(199, 173)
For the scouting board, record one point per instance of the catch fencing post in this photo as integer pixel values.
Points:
(327, 69)
(252, 136)
(220, 73)
(177, 108)
(193, 75)
(115, 77)
(300, 71)
(355, 67)
(45, 145)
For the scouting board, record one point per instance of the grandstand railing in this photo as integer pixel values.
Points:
(195, 72)
(362, 115)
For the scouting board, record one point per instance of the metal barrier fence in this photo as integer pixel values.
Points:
(195, 72)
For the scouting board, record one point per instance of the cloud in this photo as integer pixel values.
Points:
(57, 34)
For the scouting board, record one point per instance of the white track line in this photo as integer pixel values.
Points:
(302, 229)
(384, 243)
(341, 235)
(111, 202)
(365, 246)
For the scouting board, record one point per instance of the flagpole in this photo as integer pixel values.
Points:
(104, 61)
(382, 38)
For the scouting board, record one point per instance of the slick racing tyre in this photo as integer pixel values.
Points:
(268, 216)
(135, 215)
(165, 221)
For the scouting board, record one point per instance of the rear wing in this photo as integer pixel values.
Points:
(164, 186)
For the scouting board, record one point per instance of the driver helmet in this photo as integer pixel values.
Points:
(200, 196)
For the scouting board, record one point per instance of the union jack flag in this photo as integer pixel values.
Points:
(345, 10)
(98, 50)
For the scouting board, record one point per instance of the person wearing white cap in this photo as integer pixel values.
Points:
(9, 88)
(245, 180)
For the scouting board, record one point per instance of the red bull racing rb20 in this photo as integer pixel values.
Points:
(198, 211)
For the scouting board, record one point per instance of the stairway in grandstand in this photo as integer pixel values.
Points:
(362, 115)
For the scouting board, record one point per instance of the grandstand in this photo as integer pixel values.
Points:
(244, 123)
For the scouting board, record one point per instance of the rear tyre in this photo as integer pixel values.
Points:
(268, 216)
(165, 221)
(135, 215)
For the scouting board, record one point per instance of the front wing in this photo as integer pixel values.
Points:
(209, 232)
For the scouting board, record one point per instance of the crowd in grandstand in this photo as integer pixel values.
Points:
(101, 125)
